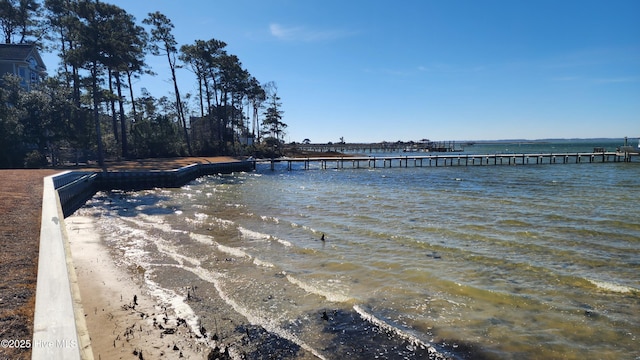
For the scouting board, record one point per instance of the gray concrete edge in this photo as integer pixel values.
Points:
(59, 330)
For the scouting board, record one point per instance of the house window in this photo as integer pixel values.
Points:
(22, 72)
(34, 77)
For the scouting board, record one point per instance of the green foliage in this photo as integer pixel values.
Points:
(272, 123)
(269, 148)
(11, 144)
(27, 123)
(35, 159)
(157, 137)
(19, 20)
(73, 114)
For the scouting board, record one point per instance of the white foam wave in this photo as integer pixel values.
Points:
(203, 239)
(333, 297)
(175, 302)
(255, 235)
(284, 242)
(167, 249)
(612, 287)
(262, 263)
(201, 216)
(253, 316)
(232, 251)
(154, 222)
(305, 228)
(208, 240)
(383, 325)
(250, 234)
(222, 222)
(135, 255)
(270, 219)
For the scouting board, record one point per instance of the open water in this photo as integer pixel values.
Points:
(487, 262)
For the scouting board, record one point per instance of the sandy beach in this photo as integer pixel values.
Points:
(122, 319)
(125, 318)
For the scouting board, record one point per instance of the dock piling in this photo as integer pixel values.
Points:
(454, 160)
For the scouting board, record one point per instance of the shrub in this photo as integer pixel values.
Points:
(34, 160)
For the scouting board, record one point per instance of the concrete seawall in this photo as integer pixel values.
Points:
(60, 331)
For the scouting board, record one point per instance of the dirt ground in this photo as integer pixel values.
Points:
(20, 210)
(20, 216)
(154, 164)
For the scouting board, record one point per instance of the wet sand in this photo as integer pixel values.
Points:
(124, 321)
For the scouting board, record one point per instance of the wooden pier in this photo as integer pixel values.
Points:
(356, 162)
(420, 146)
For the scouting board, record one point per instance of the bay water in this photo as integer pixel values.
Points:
(487, 262)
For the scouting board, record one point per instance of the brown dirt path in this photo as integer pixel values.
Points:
(158, 164)
(20, 210)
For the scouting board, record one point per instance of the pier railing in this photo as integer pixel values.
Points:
(450, 160)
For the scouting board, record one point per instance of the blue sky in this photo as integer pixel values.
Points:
(370, 71)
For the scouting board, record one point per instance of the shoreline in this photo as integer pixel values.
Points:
(162, 323)
(122, 318)
(117, 329)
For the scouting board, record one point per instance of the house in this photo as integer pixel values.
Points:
(24, 61)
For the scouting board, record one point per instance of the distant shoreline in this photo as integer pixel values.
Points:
(541, 141)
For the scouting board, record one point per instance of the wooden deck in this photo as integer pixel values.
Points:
(357, 162)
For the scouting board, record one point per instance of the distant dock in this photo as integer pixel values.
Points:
(357, 162)
(420, 146)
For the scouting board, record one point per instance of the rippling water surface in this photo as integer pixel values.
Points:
(537, 261)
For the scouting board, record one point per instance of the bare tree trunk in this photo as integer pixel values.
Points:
(200, 93)
(255, 123)
(133, 100)
(179, 104)
(123, 121)
(114, 120)
(96, 114)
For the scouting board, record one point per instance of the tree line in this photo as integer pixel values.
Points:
(88, 110)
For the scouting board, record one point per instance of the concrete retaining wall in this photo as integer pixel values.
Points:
(56, 330)
(138, 180)
(74, 189)
(60, 331)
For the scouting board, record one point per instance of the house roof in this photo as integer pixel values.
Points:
(19, 52)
